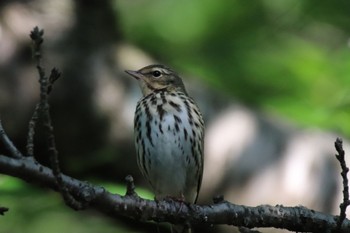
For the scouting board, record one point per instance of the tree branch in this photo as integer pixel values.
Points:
(341, 158)
(298, 219)
(8, 143)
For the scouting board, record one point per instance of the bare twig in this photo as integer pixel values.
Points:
(31, 132)
(341, 158)
(15, 153)
(37, 39)
(54, 76)
(42, 110)
(3, 210)
(130, 186)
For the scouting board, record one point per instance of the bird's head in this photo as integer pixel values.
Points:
(157, 77)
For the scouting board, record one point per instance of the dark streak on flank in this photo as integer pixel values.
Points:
(194, 154)
(142, 158)
(193, 133)
(196, 111)
(182, 96)
(139, 135)
(148, 132)
(177, 128)
(175, 105)
(196, 124)
(190, 117)
(160, 128)
(149, 161)
(185, 133)
(177, 119)
(137, 123)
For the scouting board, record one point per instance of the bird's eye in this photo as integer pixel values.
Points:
(156, 73)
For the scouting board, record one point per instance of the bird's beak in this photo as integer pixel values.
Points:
(135, 74)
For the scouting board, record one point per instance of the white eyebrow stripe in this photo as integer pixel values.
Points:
(162, 70)
(165, 71)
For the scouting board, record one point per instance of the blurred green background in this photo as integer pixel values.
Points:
(288, 58)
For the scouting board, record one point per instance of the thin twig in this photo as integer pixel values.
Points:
(8, 143)
(54, 76)
(42, 110)
(341, 158)
(31, 132)
(3, 210)
(130, 186)
(37, 39)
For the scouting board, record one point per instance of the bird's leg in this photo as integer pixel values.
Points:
(186, 228)
(180, 198)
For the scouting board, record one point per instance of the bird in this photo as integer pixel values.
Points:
(169, 135)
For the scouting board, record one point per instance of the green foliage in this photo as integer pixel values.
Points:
(41, 211)
(288, 57)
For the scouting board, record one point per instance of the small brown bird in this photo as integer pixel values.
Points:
(169, 132)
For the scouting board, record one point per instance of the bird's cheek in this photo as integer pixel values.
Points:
(159, 85)
(146, 89)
